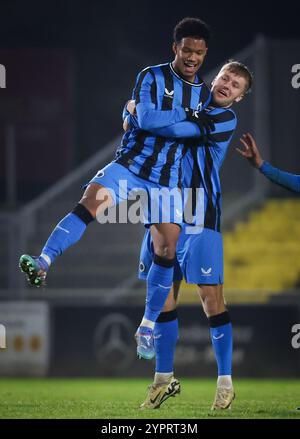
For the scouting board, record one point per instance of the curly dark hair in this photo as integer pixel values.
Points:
(191, 27)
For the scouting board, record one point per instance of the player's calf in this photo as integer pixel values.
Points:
(66, 233)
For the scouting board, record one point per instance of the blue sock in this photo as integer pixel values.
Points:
(165, 339)
(67, 232)
(159, 282)
(221, 337)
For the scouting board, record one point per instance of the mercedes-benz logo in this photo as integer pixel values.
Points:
(114, 342)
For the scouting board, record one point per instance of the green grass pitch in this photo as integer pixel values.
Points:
(120, 399)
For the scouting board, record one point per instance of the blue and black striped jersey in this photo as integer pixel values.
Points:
(201, 165)
(161, 96)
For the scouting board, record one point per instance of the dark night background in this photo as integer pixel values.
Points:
(107, 43)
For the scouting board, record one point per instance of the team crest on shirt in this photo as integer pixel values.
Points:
(169, 94)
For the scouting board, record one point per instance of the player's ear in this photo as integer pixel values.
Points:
(239, 98)
(174, 47)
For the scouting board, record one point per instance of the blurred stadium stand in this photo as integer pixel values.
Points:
(104, 260)
(261, 254)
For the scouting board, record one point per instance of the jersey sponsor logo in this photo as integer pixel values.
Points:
(206, 272)
(169, 94)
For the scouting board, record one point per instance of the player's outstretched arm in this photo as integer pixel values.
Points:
(282, 178)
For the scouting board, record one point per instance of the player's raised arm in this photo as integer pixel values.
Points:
(252, 154)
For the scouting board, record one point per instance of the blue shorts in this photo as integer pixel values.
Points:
(199, 257)
(159, 204)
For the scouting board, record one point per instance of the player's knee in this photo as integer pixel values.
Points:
(212, 299)
(90, 204)
(165, 250)
(170, 303)
(94, 198)
(211, 307)
(169, 307)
